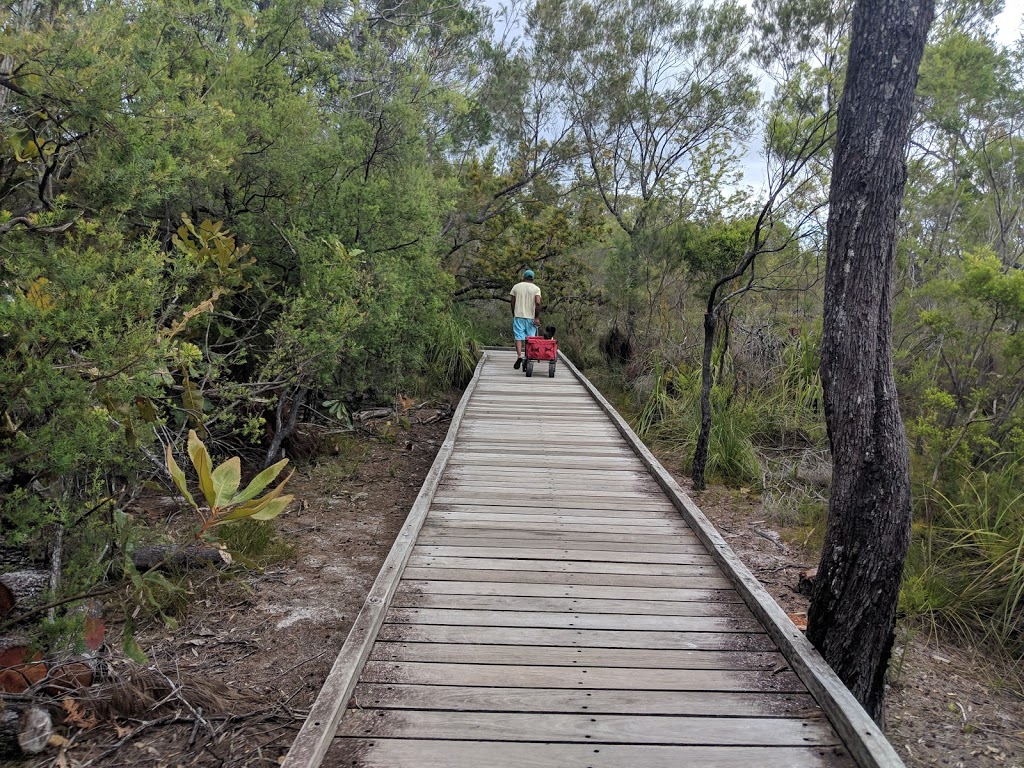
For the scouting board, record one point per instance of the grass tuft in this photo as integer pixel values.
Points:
(965, 570)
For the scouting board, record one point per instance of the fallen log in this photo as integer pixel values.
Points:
(24, 730)
(167, 557)
(373, 413)
(20, 588)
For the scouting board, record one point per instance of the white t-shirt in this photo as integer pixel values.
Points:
(525, 296)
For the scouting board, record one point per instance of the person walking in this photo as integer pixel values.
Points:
(525, 313)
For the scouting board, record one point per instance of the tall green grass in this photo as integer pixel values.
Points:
(454, 351)
(965, 570)
(671, 416)
(788, 401)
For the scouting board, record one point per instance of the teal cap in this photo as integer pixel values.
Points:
(528, 273)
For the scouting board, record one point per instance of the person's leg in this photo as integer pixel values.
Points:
(519, 332)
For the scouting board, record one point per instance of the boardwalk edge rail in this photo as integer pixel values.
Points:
(318, 730)
(859, 732)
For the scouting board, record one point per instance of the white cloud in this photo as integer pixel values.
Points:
(1008, 23)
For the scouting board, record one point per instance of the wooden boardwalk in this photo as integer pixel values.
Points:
(549, 604)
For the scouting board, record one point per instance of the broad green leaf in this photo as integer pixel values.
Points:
(273, 509)
(179, 478)
(258, 483)
(266, 512)
(226, 478)
(252, 507)
(201, 461)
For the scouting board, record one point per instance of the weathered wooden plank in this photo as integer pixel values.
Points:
(567, 590)
(563, 566)
(539, 488)
(560, 554)
(583, 435)
(547, 656)
(547, 418)
(613, 475)
(528, 492)
(468, 526)
(497, 534)
(378, 752)
(559, 542)
(576, 638)
(484, 442)
(567, 507)
(590, 728)
(523, 676)
(481, 442)
(496, 426)
(554, 421)
(555, 620)
(635, 510)
(512, 511)
(517, 481)
(406, 599)
(597, 479)
(531, 519)
(708, 703)
(555, 577)
(526, 462)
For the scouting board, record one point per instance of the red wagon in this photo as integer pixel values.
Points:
(540, 349)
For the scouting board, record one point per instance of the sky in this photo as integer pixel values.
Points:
(1009, 22)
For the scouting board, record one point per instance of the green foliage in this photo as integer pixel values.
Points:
(150, 593)
(671, 416)
(965, 572)
(219, 486)
(453, 353)
(214, 212)
(210, 209)
(254, 543)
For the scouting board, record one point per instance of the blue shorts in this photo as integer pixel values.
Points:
(523, 327)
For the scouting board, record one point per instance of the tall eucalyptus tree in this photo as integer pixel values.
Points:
(658, 93)
(853, 611)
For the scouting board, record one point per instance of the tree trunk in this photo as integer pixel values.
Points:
(284, 428)
(24, 730)
(700, 453)
(852, 614)
(168, 557)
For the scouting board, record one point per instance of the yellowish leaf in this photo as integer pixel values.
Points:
(39, 295)
(178, 476)
(201, 461)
